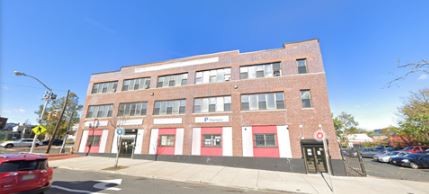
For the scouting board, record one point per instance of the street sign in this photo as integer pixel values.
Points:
(319, 135)
(39, 130)
(119, 131)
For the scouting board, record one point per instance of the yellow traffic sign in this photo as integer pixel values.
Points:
(39, 130)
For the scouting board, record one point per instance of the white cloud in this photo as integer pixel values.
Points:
(423, 77)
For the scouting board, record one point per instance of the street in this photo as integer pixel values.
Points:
(385, 170)
(72, 181)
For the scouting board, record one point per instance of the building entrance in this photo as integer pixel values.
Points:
(314, 157)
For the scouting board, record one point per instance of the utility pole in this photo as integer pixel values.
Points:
(58, 123)
(66, 135)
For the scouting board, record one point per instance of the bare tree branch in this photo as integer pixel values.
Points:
(410, 69)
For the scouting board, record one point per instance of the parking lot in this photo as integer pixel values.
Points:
(385, 170)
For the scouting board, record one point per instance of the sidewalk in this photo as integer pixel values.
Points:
(244, 178)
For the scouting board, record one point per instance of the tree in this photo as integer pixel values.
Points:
(345, 124)
(414, 123)
(53, 111)
(411, 69)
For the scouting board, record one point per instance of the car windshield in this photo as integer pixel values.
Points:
(24, 165)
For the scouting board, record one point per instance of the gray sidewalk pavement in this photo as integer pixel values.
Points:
(244, 178)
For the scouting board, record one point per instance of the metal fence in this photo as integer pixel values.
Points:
(353, 162)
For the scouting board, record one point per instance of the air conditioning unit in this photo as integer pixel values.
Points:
(227, 78)
(277, 73)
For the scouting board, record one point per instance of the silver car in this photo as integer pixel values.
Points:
(24, 142)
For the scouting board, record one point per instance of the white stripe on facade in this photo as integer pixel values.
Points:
(100, 123)
(196, 141)
(83, 141)
(115, 144)
(178, 146)
(153, 141)
(284, 141)
(227, 141)
(177, 64)
(247, 139)
(130, 122)
(103, 141)
(139, 143)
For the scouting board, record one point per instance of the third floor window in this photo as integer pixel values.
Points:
(95, 111)
(172, 80)
(212, 104)
(262, 101)
(132, 109)
(259, 71)
(104, 87)
(212, 76)
(136, 84)
(169, 107)
(302, 66)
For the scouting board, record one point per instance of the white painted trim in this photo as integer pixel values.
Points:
(247, 140)
(212, 119)
(103, 141)
(196, 141)
(153, 141)
(115, 143)
(159, 121)
(283, 138)
(83, 141)
(139, 143)
(100, 123)
(177, 64)
(227, 141)
(178, 146)
(130, 122)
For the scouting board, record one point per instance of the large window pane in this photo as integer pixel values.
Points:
(302, 65)
(306, 98)
(244, 102)
(105, 87)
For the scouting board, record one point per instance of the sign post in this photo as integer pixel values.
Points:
(320, 135)
(38, 130)
(119, 132)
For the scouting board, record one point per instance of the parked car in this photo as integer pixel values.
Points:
(25, 142)
(415, 149)
(56, 142)
(421, 161)
(399, 161)
(368, 152)
(24, 173)
(387, 157)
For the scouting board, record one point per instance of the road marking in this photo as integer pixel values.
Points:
(104, 183)
(74, 190)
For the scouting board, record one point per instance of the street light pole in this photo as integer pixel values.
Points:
(49, 95)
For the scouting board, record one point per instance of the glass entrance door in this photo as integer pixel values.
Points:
(127, 147)
(314, 157)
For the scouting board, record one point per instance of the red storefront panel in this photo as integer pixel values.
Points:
(93, 146)
(207, 150)
(268, 152)
(166, 150)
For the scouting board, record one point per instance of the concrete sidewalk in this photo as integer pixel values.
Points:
(244, 178)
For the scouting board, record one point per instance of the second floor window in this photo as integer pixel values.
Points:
(306, 99)
(302, 66)
(212, 104)
(265, 140)
(172, 80)
(259, 71)
(263, 101)
(95, 111)
(169, 107)
(105, 87)
(132, 109)
(136, 84)
(212, 76)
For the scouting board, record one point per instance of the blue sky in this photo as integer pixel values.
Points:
(63, 42)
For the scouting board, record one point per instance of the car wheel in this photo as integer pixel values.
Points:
(9, 146)
(414, 165)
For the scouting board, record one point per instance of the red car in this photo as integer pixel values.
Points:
(24, 173)
(415, 149)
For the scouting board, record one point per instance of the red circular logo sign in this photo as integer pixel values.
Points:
(319, 135)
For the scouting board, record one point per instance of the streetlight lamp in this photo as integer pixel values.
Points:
(49, 95)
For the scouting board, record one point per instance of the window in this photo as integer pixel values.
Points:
(132, 109)
(306, 98)
(166, 140)
(262, 101)
(136, 84)
(213, 76)
(212, 140)
(260, 70)
(302, 65)
(212, 104)
(105, 87)
(169, 107)
(23, 165)
(93, 140)
(95, 111)
(172, 80)
(265, 140)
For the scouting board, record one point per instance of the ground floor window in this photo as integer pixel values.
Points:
(166, 140)
(265, 140)
(212, 140)
(93, 140)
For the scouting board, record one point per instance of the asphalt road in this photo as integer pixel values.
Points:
(385, 170)
(71, 181)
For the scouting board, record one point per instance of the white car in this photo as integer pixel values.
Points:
(25, 142)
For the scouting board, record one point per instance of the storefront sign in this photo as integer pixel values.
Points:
(167, 121)
(212, 119)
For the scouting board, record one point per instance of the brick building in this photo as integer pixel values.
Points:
(255, 109)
